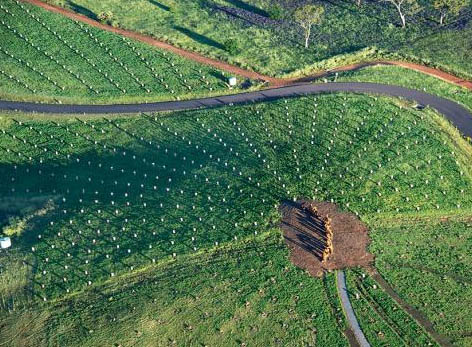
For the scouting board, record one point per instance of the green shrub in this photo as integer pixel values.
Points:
(105, 17)
(15, 226)
(275, 12)
(231, 46)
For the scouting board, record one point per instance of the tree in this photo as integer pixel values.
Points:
(105, 17)
(404, 8)
(307, 16)
(445, 7)
(275, 12)
(231, 46)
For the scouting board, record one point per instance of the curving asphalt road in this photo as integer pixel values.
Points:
(459, 116)
(348, 311)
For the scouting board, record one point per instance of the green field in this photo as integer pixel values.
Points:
(410, 79)
(163, 229)
(245, 294)
(347, 34)
(429, 263)
(122, 211)
(47, 57)
(383, 321)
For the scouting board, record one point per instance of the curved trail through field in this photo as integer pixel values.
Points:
(413, 312)
(273, 81)
(348, 311)
(459, 116)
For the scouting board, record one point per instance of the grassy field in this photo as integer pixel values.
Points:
(107, 210)
(276, 46)
(384, 322)
(449, 49)
(248, 293)
(429, 264)
(46, 57)
(410, 79)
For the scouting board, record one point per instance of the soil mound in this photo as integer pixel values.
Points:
(306, 237)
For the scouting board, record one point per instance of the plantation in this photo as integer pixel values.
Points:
(164, 228)
(270, 42)
(47, 57)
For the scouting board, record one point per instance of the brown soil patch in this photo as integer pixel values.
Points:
(351, 337)
(306, 238)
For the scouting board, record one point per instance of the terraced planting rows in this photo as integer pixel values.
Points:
(107, 201)
(46, 57)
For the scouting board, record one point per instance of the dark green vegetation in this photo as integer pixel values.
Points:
(410, 79)
(270, 43)
(47, 57)
(165, 227)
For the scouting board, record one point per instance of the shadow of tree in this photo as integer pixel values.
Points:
(248, 7)
(82, 10)
(199, 38)
(161, 6)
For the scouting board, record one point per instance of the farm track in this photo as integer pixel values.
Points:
(272, 81)
(458, 115)
(417, 315)
(348, 311)
(347, 331)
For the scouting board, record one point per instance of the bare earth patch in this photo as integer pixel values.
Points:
(306, 237)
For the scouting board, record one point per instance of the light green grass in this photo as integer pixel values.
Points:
(248, 294)
(54, 59)
(411, 79)
(383, 321)
(276, 48)
(428, 264)
(171, 188)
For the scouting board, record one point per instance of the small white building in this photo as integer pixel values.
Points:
(5, 242)
(232, 81)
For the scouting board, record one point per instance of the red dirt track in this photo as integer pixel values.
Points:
(272, 81)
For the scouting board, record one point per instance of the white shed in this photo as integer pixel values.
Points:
(232, 81)
(5, 242)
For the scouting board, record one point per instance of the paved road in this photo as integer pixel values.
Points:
(457, 114)
(349, 312)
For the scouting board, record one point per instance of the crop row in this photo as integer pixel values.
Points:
(100, 62)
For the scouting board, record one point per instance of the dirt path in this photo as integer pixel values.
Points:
(272, 81)
(417, 315)
(159, 44)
